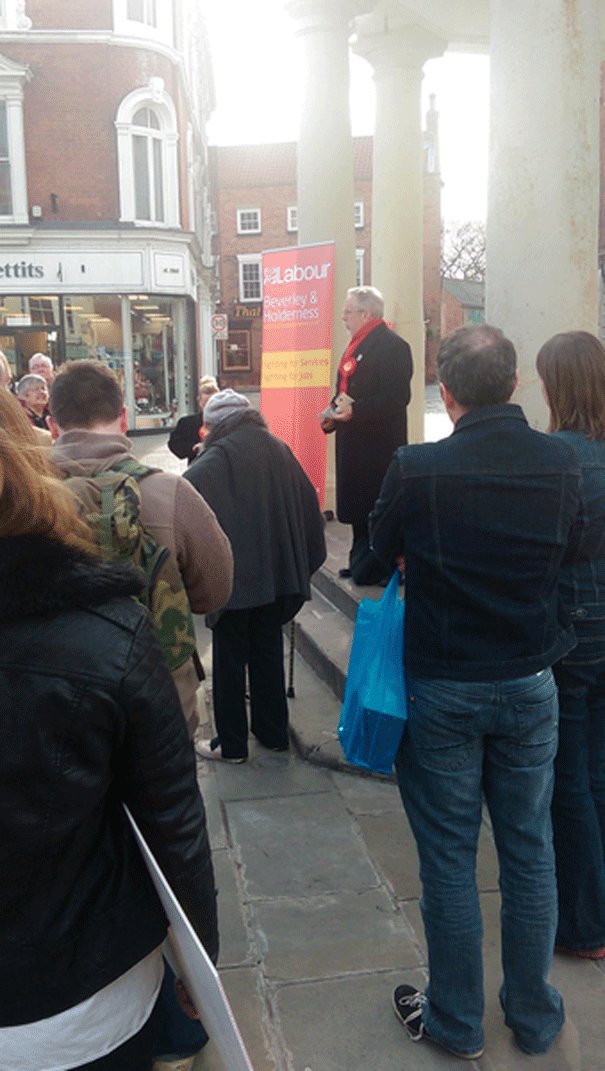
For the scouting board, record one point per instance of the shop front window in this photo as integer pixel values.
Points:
(92, 330)
(153, 357)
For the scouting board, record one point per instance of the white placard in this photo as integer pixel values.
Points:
(196, 969)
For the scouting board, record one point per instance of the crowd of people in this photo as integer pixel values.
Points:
(501, 532)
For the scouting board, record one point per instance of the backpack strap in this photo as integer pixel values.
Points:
(131, 467)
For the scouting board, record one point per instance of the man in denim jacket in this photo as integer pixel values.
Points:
(485, 519)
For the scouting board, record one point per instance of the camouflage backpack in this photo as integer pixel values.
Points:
(111, 504)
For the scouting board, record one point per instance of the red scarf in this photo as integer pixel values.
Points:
(348, 364)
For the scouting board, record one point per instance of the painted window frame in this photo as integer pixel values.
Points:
(159, 102)
(13, 76)
(358, 214)
(237, 363)
(359, 267)
(243, 260)
(163, 31)
(240, 212)
(292, 219)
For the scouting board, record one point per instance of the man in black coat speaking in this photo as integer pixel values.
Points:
(368, 414)
(269, 509)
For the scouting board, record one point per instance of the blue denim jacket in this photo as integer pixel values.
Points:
(582, 582)
(485, 519)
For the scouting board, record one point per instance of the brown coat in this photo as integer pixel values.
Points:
(178, 518)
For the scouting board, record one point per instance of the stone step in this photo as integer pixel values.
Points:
(323, 635)
(324, 626)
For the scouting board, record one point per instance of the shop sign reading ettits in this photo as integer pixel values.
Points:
(298, 301)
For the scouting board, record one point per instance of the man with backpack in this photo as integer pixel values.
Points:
(159, 522)
(153, 518)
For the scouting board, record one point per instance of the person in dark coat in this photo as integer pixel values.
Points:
(186, 439)
(268, 507)
(89, 719)
(368, 415)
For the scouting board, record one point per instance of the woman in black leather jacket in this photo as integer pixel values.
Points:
(89, 718)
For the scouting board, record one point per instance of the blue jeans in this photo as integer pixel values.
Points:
(579, 798)
(464, 740)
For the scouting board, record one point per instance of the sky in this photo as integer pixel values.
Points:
(257, 67)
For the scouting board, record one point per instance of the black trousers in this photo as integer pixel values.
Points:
(365, 567)
(254, 638)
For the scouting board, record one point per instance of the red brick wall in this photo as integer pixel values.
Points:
(70, 135)
(363, 235)
(70, 14)
(272, 201)
(452, 313)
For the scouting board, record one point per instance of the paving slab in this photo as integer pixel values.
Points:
(237, 939)
(368, 795)
(246, 993)
(268, 775)
(393, 851)
(306, 846)
(209, 789)
(347, 1024)
(337, 933)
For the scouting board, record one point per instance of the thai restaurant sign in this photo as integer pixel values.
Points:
(298, 301)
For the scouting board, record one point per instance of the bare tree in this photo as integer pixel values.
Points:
(463, 254)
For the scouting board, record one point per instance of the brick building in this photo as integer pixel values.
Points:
(463, 304)
(103, 192)
(255, 198)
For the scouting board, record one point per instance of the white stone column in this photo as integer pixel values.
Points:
(397, 50)
(325, 148)
(325, 151)
(542, 229)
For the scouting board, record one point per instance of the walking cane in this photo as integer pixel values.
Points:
(290, 692)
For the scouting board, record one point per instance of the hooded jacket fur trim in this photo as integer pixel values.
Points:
(40, 576)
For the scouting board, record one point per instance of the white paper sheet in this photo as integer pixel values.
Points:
(197, 970)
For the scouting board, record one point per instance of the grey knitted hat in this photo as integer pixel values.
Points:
(222, 405)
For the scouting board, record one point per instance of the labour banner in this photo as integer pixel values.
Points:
(298, 297)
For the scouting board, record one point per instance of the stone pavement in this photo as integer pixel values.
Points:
(318, 888)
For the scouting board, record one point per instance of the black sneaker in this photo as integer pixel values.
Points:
(409, 1003)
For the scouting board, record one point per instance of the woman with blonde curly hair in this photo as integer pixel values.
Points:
(89, 719)
(186, 439)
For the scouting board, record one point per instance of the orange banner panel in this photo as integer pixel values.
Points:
(298, 305)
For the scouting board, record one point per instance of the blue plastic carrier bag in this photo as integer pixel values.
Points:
(375, 703)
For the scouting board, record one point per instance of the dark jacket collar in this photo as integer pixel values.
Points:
(483, 413)
(42, 576)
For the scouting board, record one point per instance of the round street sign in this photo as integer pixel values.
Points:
(220, 324)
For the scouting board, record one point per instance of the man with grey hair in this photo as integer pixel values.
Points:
(32, 394)
(368, 415)
(42, 365)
